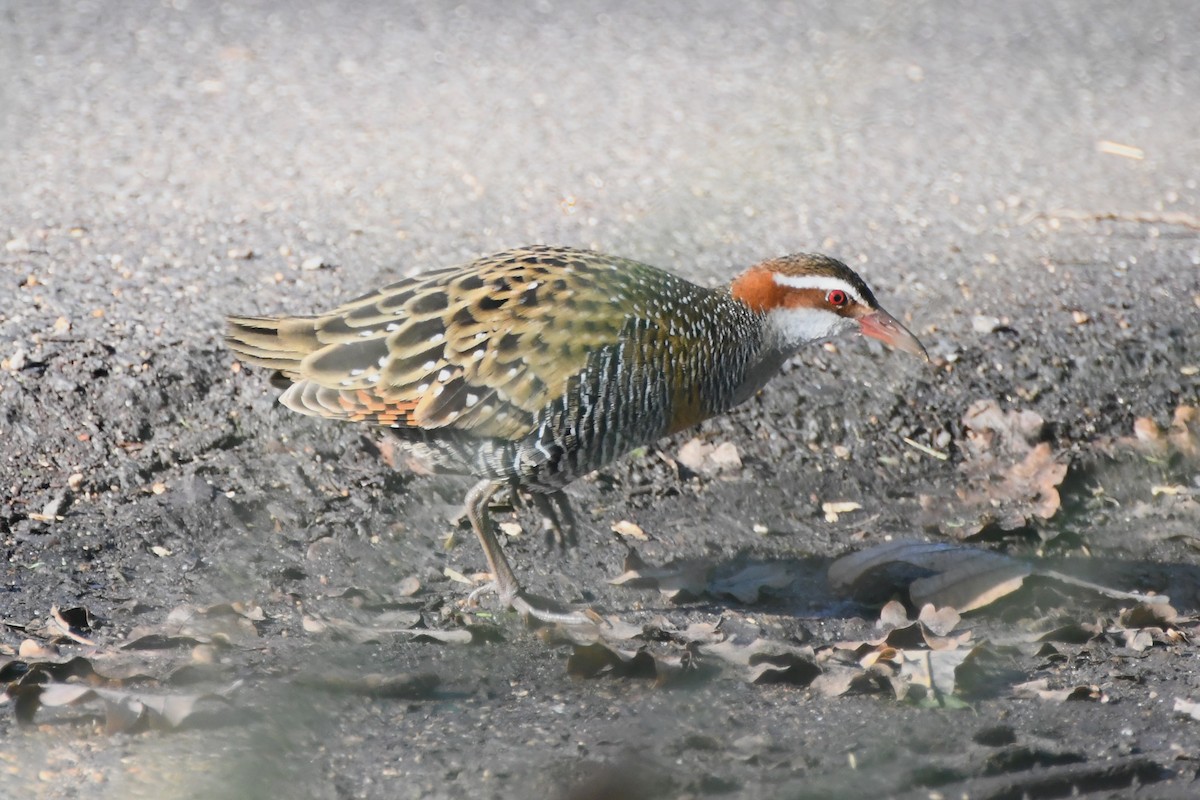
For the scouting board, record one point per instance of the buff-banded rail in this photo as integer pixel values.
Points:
(532, 367)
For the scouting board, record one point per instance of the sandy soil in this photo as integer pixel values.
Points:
(1018, 183)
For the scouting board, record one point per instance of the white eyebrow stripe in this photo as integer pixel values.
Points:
(823, 283)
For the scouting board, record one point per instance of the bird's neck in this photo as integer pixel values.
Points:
(773, 342)
(741, 361)
(760, 368)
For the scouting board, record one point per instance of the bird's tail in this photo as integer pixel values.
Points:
(278, 343)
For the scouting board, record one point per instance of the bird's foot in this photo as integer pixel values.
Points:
(558, 520)
(506, 584)
(554, 510)
(533, 608)
(485, 588)
(536, 609)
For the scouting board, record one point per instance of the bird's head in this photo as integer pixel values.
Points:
(808, 297)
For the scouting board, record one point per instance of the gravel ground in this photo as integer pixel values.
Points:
(1018, 181)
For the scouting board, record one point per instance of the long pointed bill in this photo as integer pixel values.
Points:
(884, 327)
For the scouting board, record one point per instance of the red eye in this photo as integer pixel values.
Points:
(836, 297)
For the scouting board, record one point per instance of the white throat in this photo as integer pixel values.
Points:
(786, 330)
(789, 329)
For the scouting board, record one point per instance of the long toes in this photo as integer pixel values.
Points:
(535, 608)
(544, 610)
(487, 588)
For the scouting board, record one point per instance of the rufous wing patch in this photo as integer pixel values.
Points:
(365, 405)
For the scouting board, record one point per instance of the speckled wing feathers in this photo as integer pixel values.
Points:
(480, 349)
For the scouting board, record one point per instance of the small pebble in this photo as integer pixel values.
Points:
(16, 362)
(55, 507)
(984, 324)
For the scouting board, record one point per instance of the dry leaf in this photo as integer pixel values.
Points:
(916, 664)
(457, 576)
(630, 530)
(1011, 478)
(747, 584)
(77, 669)
(834, 509)
(1184, 433)
(939, 621)
(990, 429)
(609, 649)
(979, 579)
(846, 680)
(1181, 437)
(1148, 437)
(594, 660)
(678, 581)
(795, 671)
(123, 709)
(938, 573)
(614, 629)
(251, 611)
(914, 635)
(934, 671)
(1014, 493)
(29, 648)
(1187, 708)
(964, 578)
(725, 457)
(1040, 690)
(893, 614)
(1145, 615)
(707, 459)
(224, 625)
(768, 661)
(453, 636)
(1070, 581)
(681, 581)
(68, 629)
(849, 570)
(1138, 640)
